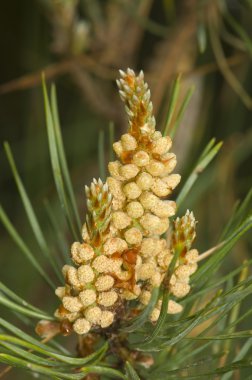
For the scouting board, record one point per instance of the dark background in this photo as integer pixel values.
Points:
(80, 45)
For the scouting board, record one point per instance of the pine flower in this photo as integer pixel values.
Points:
(89, 299)
(184, 233)
(123, 256)
(182, 238)
(139, 181)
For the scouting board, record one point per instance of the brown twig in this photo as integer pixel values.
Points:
(5, 371)
(211, 67)
(55, 70)
(175, 52)
(120, 50)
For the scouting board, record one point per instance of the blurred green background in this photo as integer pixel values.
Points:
(80, 45)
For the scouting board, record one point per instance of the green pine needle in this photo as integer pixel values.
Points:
(204, 160)
(37, 231)
(57, 166)
(23, 247)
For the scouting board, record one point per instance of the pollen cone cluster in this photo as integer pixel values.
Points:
(140, 181)
(123, 255)
(89, 297)
(182, 238)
